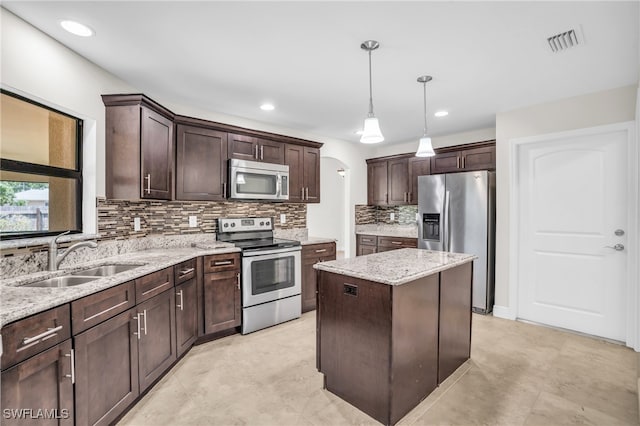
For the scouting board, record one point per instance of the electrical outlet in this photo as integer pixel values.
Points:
(136, 223)
(392, 216)
(193, 221)
(283, 218)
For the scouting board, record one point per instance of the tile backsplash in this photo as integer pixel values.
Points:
(403, 215)
(116, 217)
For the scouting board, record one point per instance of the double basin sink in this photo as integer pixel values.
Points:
(83, 276)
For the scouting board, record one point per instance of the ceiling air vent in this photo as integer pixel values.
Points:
(563, 41)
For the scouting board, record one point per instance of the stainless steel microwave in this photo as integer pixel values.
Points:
(251, 180)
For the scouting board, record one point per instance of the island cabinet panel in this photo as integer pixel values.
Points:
(455, 319)
(201, 164)
(43, 382)
(378, 344)
(106, 369)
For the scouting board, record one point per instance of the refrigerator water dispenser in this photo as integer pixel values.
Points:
(431, 226)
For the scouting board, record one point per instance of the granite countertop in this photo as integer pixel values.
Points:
(382, 230)
(19, 302)
(396, 267)
(316, 240)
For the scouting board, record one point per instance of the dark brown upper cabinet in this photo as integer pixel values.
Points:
(465, 158)
(139, 148)
(252, 148)
(388, 181)
(377, 183)
(418, 166)
(201, 163)
(304, 173)
(393, 180)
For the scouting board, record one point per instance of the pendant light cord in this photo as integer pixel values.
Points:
(370, 89)
(425, 108)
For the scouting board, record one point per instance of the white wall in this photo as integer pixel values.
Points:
(328, 219)
(594, 109)
(38, 67)
(437, 141)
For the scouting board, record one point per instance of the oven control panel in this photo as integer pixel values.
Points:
(245, 224)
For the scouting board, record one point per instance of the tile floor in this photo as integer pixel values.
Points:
(518, 374)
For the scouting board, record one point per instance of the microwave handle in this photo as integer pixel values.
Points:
(279, 186)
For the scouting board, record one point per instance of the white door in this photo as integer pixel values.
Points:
(573, 209)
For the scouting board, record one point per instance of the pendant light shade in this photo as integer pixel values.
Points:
(425, 149)
(371, 131)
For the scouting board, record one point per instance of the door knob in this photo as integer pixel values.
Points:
(617, 247)
(619, 232)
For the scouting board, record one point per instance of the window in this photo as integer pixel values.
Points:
(40, 169)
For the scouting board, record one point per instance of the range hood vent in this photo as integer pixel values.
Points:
(564, 41)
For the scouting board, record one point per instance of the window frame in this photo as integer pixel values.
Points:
(50, 171)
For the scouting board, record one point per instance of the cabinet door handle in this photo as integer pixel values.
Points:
(224, 189)
(306, 193)
(321, 250)
(262, 152)
(47, 334)
(396, 242)
(181, 305)
(186, 272)
(72, 376)
(238, 277)
(255, 152)
(457, 162)
(148, 179)
(302, 193)
(463, 161)
(137, 318)
(223, 262)
(144, 314)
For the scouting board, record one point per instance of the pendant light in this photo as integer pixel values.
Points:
(371, 130)
(425, 149)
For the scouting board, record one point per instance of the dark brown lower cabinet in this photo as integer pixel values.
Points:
(377, 343)
(222, 301)
(106, 369)
(312, 254)
(157, 344)
(39, 390)
(186, 315)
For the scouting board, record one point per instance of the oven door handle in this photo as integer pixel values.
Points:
(259, 252)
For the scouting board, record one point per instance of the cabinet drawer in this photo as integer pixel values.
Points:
(222, 262)
(27, 337)
(184, 271)
(397, 242)
(367, 240)
(319, 250)
(153, 284)
(94, 309)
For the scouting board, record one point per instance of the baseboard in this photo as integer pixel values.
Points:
(503, 312)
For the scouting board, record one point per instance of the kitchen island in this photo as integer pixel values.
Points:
(392, 326)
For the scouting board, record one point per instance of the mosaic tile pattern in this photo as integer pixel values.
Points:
(404, 215)
(115, 217)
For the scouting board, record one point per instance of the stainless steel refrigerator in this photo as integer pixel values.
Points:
(457, 214)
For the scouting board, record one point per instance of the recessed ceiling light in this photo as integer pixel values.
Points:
(76, 28)
(441, 113)
(267, 107)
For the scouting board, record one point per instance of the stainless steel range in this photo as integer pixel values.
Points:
(271, 272)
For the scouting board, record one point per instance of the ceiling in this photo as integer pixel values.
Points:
(305, 57)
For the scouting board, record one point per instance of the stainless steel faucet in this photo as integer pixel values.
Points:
(55, 259)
